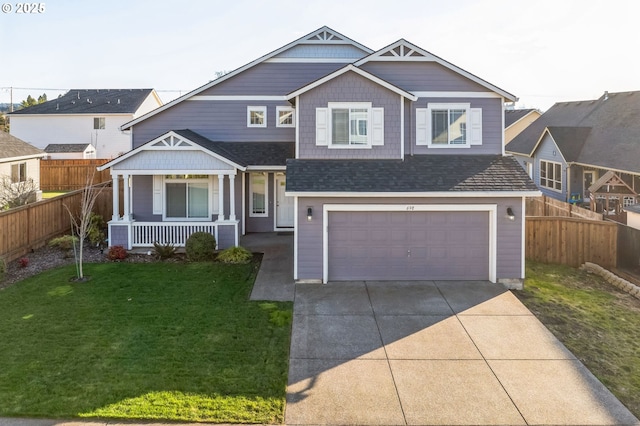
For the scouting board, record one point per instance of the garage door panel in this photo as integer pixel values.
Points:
(408, 245)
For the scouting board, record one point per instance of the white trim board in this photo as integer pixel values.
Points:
(421, 94)
(444, 194)
(492, 209)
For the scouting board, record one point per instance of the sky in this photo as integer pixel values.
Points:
(542, 51)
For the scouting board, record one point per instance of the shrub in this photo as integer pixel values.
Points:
(23, 262)
(64, 243)
(117, 253)
(164, 251)
(200, 246)
(95, 232)
(235, 255)
(3, 267)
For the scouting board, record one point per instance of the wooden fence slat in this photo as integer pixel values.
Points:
(65, 175)
(29, 227)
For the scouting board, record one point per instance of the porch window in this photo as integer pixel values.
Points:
(258, 192)
(18, 172)
(187, 197)
(551, 175)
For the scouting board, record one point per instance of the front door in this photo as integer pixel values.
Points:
(587, 181)
(284, 204)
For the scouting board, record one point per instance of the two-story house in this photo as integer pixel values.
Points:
(83, 123)
(385, 164)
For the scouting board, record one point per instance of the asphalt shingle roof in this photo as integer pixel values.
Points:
(613, 140)
(245, 153)
(12, 147)
(65, 147)
(91, 101)
(513, 115)
(419, 173)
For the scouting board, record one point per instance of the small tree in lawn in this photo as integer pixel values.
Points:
(81, 222)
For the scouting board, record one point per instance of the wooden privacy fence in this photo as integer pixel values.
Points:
(628, 247)
(547, 206)
(571, 241)
(65, 175)
(29, 227)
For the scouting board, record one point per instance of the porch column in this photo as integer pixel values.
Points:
(220, 197)
(127, 198)
(116, 199)
(232, 198)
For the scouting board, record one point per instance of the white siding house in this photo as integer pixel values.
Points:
(85, 117)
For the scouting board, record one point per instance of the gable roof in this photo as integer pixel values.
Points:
(92, 101)
(512, 116)
(613, 140)
(403, 50)
(321, 35)
(241, 155)
(414, 174)
(358, 71)
(54, 148)
(13, 148)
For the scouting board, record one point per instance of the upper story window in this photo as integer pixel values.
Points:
(350, 125)
(18, 172)
(551, 175)
(448, 126)
(256, 116)
(98, 123)
(285, 117)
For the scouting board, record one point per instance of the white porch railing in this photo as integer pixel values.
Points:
(144, 234)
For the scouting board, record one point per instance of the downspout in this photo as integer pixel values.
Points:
(568, 195)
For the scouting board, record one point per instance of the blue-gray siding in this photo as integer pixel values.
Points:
(492, 129)
(119, 236)
(548, 151)
(142, 192)
(349, 87)
(272, 79)
(224, 121)
(226, 236)
(509, 233)
(422, 76)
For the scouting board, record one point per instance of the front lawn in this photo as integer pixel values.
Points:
(166, 341)
(597, 322)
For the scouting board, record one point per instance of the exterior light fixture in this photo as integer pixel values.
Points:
(510, 214)
(309, 214)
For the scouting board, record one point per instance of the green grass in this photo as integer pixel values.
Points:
(597, 322)
(51, 194)
(144, 341)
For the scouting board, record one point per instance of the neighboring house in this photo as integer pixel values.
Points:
(73, 151)
(20, 161)
(633, 215)
(587, 151)
(385, 164)
(516, 120)
(81, 117)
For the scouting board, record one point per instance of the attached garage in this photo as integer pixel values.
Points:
(427, 242)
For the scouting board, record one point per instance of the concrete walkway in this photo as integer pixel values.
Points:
(275, 278)
(434, 353)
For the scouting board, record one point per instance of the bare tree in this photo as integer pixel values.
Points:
(14, 194)
(81, 221)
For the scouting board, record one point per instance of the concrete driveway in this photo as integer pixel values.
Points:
(434, 353)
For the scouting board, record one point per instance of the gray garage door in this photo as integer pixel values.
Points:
(408, 245)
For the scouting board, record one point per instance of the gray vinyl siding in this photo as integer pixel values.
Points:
(548, 151)
(509, 233)
(492, 129)
(349, 87)
(142, 193)
(223, 121)
(119, 236)
(226, 236)
(272, 79)
(422, 76)
(342, 51)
